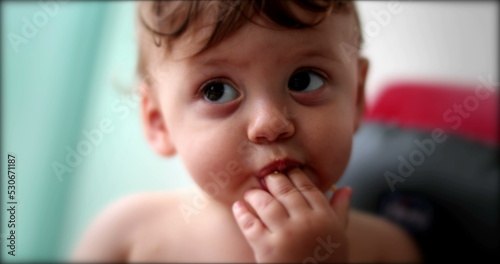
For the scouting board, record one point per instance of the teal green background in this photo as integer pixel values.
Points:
(75, 72)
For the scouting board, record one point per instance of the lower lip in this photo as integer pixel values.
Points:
(281, 166)
(263, 184)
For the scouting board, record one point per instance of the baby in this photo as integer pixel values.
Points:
(260, 100)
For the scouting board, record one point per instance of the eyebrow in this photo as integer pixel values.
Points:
(223, 61)
(321, 53)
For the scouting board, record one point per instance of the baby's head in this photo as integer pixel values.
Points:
(239, 89)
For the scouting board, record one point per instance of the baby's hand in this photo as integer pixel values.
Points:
(294, 222)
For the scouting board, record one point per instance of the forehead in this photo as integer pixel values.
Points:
(257, 37)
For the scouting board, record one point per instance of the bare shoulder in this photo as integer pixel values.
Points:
(109, 236)
(373, 238)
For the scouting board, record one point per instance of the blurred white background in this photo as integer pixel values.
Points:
(444, 40)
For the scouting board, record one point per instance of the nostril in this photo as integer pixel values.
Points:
(287, 133)
(266, 128)
(263, 140)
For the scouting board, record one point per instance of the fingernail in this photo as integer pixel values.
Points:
(237, 206)
(349, 192)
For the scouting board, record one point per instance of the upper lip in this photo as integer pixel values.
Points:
(280, 165)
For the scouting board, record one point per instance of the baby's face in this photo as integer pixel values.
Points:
(261, 100)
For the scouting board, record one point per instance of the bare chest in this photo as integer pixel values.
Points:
(190, 244)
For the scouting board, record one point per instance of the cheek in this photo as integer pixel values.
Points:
(208, 149)
(212, 161)
(332, 157)
(329, 142)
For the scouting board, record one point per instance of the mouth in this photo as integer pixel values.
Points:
(278, 166)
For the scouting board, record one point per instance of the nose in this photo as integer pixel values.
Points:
(270, 124)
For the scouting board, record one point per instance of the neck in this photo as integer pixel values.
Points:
(199, 206)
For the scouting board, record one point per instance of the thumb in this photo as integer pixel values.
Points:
(341, 204)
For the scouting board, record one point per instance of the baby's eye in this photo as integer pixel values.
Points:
(305, 81)
(219, 93)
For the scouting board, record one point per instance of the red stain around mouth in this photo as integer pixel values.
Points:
(281, 165)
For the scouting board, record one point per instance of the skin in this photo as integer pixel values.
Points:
(229, 216)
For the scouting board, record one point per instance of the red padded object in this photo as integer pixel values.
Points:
(469, 111)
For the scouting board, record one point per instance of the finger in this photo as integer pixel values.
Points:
(309, 191)
(269, 210)
(284, 191)
(341, 203)
(251, 226)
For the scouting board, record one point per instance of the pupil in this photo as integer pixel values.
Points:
(299, 81)
(214, 92)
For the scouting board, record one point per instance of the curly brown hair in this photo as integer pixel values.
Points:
(167, 21)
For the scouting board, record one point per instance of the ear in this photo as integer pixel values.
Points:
(153, 122)
(363, 65)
